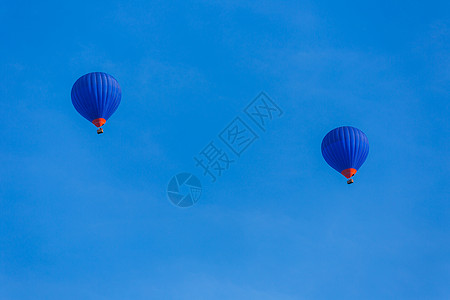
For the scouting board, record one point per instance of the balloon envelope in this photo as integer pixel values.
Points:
(96, 97)
(345, 149)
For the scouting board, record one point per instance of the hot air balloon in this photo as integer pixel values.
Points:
(345, 149)
(96, 97)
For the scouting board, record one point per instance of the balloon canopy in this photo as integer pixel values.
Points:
(96, 97)
(345, 149)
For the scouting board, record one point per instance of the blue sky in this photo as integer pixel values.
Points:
(84, 216)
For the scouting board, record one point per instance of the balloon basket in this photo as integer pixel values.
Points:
(99, 131)
(350, 181)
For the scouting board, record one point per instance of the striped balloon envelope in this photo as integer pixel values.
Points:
(96, 97)
(345, 149)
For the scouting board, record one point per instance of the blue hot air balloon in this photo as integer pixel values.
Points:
(345, 149)
(96, 97)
